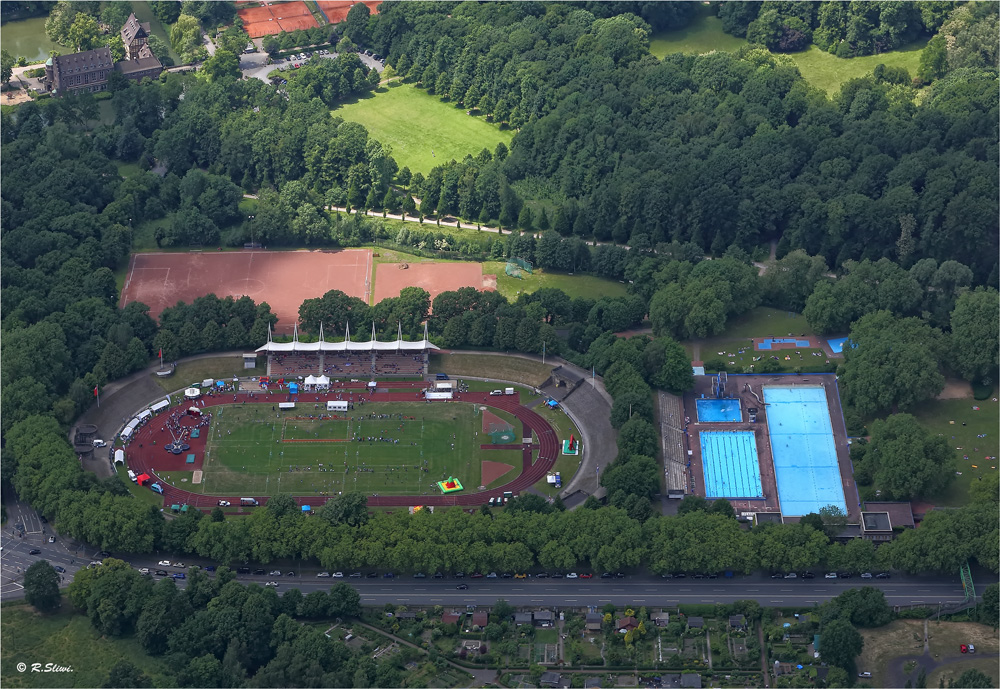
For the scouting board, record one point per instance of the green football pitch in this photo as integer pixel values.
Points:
(398, 448)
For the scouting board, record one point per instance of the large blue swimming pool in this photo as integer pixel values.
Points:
(802, 445)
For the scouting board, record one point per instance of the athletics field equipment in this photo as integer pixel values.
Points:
(450, 485)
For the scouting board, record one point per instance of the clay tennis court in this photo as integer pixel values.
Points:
(275, 18)
(284, 279)
(433, 277)
(336, 10)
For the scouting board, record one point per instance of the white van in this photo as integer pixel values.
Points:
(496, 392)
(131, 476)
(99, 443)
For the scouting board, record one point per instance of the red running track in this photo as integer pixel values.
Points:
(145, 458)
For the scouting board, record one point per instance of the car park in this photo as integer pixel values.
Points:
(34, 551)
(462, 587)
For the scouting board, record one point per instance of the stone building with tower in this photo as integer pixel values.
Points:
(88, 71)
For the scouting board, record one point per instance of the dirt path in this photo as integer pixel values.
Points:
(763, 657)
(955, 389)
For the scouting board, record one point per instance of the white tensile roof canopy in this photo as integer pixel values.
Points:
(373, 345)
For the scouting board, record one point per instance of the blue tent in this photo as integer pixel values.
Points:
(220, 384)
(306, 508)
(293, 388)
(552, 404)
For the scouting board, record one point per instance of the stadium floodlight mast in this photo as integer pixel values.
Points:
(250, 218)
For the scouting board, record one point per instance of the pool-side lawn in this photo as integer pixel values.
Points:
(937, 416)
(819, 68)
(422, 130)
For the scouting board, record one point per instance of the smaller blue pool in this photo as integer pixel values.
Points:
(837, 345)
(711, 410)
(729, 462)
(766, 343)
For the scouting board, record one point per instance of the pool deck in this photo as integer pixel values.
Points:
(736, 387)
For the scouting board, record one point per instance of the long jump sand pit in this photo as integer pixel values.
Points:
(434, 277)
(284, 279)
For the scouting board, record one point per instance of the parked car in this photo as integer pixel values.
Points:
(210, 568)
(291, 574)
(459, 575)
(542, 575)
(275, 573)
(777, 575)
(388, 575)
(271, 583)
(607, 575)
(340, 575)
(845, 575)
(491, 575)
(224, 503)
(180, 565)
(438, 575)
(323, 574)
(619, 575)
(164, 563)
(355, 575)
(258, 572)
(572, 575)
(179, 575)
(419, 575)
(520, 576)
(372, 575)
(462, 587)
(864, 674)
(808, 575)
(830, 575)
(883, 575)
(791, 575)
(144, 570)
(586, 576)
(243, 570)
(34, 551)
(62, 570)
(506, 575)
(52, 539)
(557, 575)
(680, 575)
(476, 575)
(867, 575)
(160, 572)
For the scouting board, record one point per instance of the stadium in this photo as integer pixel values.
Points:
(330, 417)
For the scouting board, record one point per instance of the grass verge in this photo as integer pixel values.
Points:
(218, 367)
(422, 130)
(525, 371)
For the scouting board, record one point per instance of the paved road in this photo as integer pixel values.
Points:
(254, 65)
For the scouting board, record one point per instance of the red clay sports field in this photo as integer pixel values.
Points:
(284, 279)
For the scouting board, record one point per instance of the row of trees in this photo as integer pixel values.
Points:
(727, 148)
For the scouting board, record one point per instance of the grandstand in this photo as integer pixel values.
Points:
(346, 359)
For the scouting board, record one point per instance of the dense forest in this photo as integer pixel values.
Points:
(681, 159)
(720, 149)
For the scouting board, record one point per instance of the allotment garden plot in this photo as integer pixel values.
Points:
(375, 448)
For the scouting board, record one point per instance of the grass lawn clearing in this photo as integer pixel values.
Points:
(937, 415)
(127, 170)
(217, 367)
(577, 285)
(737, 361)
(399, 448)
(946, 637)
(423, 130)
(898, 638)
(821, 69)
(951, 671)
(513, 368)
(764, 321)
(67, 639)
(546, 636)
(566, 465)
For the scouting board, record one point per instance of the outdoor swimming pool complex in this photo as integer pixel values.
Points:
(729, 463)
(712, 410)
(802, 446)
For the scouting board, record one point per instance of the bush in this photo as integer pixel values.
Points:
(34, 73)
(715, 365)
(981, 391)
(915, 614)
